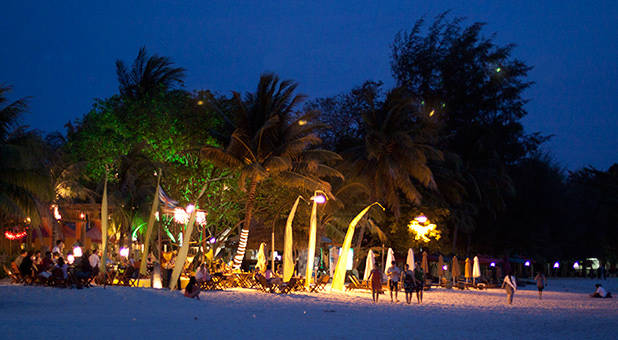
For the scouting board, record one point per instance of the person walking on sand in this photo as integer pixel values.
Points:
(407, 276)
(510, 284)
(541, 283)
(375, 277)
(419, 282)
(394, 273)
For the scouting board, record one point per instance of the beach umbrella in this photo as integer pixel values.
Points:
(410, 259)
(476, 269)
(455, 269)
(440, 265)
(390, 257)
(369, 264)
(424, 264)
(468, 269)
(261, 259)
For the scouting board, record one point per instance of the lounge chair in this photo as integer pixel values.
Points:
(355, 283)
(289, 286)
(320, 284)
(15, 277)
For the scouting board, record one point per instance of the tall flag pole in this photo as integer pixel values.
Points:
(288, 258)
(342, 262)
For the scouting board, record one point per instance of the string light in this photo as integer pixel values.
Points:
(15, 236)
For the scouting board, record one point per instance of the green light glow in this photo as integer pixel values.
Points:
(498, 69)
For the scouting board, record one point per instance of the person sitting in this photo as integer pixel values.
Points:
(83, 270)
(46, 266)
(202, 275)
(271, 277)
(25, 268)
(600, 292)
(192, 290)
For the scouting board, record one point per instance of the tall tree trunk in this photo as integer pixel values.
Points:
(244, 234)
(102, 265)
(182, 253)
(149, 227)
(455, 231)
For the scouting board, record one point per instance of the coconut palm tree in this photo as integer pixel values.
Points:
(391, 160)
(268, 141)
(24, 179)
(148, 75)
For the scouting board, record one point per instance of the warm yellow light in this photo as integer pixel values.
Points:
(302, 122)
(432, 112)
(200, 102)
(70, 258)
(56, 212)
(423, 229)
(77, 251)
(28, 220)
(82, 216)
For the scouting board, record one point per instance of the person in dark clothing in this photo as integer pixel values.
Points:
(25, 268)
(192, 290)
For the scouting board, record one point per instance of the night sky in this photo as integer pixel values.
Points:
(62, 54)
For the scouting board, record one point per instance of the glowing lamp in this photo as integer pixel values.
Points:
(82, 216)
(124, 252)
(28, 220)
(527, 264)
(556, 265)
(423, 229)
(190, 208)
(56, 212)
(70, 258)
(181, 216)
(302, 122)
(77, 251)
(444, 267)
(432, 112)
(576, 265)
(200, 218)
(319, 199)
(421, 219)
(498, 69)
(493, 264)
(212, 240)
(200, 102)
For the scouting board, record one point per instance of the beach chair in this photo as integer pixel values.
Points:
(265, 286)
(355, 283)
(320, 284)
(289, 286)
(15, 277)
(24, 279)
(57, 278)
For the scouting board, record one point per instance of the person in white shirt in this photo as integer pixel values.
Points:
(59, 248)
(510, 285)
(94, 259)
(202, 275)
(393, 273)
(600, 292)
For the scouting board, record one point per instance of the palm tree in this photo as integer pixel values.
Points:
(148, 75)
(24, 179)
(391, 160)
(269, 142)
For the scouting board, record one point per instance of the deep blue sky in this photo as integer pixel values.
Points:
(62, 53)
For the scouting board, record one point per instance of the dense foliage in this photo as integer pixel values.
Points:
(447, 141)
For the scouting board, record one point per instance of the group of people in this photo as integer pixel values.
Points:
(54, 266)
(413, 282)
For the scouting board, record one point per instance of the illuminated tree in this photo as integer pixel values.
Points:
(268, 141)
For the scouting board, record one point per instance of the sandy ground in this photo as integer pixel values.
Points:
(566, 312)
